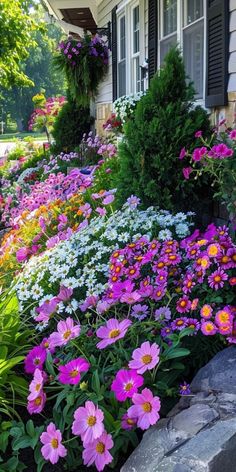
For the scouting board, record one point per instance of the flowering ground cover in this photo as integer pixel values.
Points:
(110, 306)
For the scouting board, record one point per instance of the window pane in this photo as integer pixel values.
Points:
(170, 16)
(165, 46)
(137, 75)
(136, 29)
(194, 10)
(122, 78)
(193, 49)
(122, 38)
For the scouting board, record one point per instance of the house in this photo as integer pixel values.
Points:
(140, 32)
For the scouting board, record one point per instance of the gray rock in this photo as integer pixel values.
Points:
(211, 450)
(194, 419)
(219, 374)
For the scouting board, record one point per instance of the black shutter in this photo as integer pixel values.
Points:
(152, 38)
(217, 54)
(114, 53)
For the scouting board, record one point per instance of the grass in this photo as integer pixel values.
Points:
(10, 137)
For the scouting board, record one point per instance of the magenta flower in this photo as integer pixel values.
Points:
(52, 448)
(126, 384)
(70, 372)
(183, 305)
(113, 331)
(198, 134)
(97, 452)
(128, 423)
(146, 409)
(182, 153)
(22, 254)
(37, 405)
(88, 422)
(208, 328)
(66, 330)
(36, 385)
(35, 359)
(65, 294)
(186, 172)
(146, 357)
(217, 279)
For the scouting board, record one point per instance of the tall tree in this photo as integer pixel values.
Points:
(16, 28)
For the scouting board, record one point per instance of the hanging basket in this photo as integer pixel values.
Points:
(85, 63)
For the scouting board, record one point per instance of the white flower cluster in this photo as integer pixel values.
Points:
(125, 106)
(82, 262)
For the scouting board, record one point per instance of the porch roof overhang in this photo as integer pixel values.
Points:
(74, 15)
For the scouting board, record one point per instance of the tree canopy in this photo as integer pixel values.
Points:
(16, 28)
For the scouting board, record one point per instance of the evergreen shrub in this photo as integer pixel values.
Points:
(165, 121)
(70, 125)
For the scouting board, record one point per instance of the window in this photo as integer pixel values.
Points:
(121, 57)
(130, 27)
(136, 79)
(182, 22)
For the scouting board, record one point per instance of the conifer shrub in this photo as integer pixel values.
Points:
(70, 125)
(164, 122)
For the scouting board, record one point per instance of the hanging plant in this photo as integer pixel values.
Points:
(85, 63)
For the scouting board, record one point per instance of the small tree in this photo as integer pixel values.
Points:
(164, 122)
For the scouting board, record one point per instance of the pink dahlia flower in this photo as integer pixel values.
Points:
(35, 359)
(146, 357)
(88, 422)
(66, 330)
(52, 448)
(126, 384)
(97, 452)
(70, 373)
(36, 385)
(37, 405)
(113, 331)
(146, 408)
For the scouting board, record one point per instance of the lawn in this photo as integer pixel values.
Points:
(12, 136)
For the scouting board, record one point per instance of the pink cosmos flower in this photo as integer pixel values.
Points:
(130, 297)
(35, 359)
(108, 200)
(70, 372)
(52, 448)
(22, 254)
(88, 422)
(97, 452)
(65, 294)
(186, 172)
(182, 153)
(146, 357)
(126, 384)
(66, 330)
(145, 408)
(37, 405)
(46, 310)
(113, 331)
(36, 385)
(101, 211)
(232, 134)
(128, 423)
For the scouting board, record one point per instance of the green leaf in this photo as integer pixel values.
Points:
(30, 428)
(3, 352)
(21, 443)
(179, 352)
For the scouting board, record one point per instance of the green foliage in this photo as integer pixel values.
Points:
(16, 27)
(13, 345)
(164, 122)
(70, 125)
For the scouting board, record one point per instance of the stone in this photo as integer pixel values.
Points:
(211, 450)
(156, 442)
(218, 375)
(194, 419)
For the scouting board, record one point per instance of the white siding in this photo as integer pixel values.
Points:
(232, 47)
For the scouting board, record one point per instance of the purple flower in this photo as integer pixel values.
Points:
(133, 201)
(182, 153)
(184, 389)
(217, 279)
(162, 313)
(187, 171)
(139, 311)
